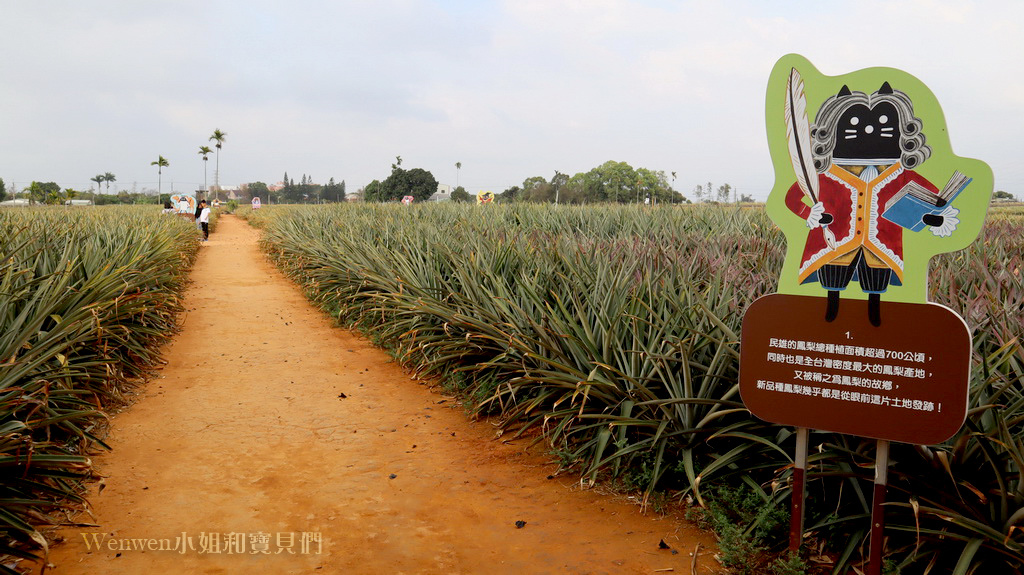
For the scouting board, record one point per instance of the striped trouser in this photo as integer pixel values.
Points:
(836, 276)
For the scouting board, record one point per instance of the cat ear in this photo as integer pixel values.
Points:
(844, 91)
(885, 89)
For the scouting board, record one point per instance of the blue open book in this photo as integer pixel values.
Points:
(914, 201)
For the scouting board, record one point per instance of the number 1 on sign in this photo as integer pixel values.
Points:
(848, 336)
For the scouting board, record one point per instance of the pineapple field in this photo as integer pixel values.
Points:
(86, 301)
(611, 334)
(607, 337)
(266, 440)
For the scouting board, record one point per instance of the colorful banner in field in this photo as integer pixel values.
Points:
(485, 197)
(184, 203)
(867, 191)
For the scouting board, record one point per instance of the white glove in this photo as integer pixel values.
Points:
(814, 220)
(949, 222)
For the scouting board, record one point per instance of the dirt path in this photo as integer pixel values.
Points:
(305, 444)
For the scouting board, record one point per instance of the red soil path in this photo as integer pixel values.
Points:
(321, 455)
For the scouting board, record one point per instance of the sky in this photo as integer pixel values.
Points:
(509, 89)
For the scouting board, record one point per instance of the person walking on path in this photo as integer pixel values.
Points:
(204, 219)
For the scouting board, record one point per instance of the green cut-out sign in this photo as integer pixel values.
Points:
(867, 191)
(877, 132)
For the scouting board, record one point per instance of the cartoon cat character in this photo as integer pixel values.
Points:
(864, 149)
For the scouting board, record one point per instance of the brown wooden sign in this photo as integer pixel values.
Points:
(905, 380)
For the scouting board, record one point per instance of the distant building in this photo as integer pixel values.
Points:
(443, 193)
(16, 202)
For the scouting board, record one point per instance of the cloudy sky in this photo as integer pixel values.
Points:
(511, 89)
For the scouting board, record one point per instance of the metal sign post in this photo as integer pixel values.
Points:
(877, 511)
(796, 520)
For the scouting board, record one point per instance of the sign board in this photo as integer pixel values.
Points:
(407, 200)
(867, 190)
(184, 204)
(256, 203)
(901, 383)
(485, 197)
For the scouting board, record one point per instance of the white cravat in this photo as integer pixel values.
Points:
(869, 173)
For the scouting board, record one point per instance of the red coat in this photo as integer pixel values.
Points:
(855, 206)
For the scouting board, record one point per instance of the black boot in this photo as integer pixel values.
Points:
(875, 309)
(832, 310)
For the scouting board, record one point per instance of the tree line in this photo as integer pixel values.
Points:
(50, 193)
(305, 192)
(611, 182)
(41, 193)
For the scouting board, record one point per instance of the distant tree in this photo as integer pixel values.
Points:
(1001, 195)
(307, 192)
(698, 192)
(558, 181)
(3, 190)
(333, 192)
(458, 168)
(530, 183)
(108, 177)
(44, 193)
(258, 190)
(654, 185)
(290, 193)
(460, 195)
(417, 182)
(724, 191)
(509, 195)
(537, 189)
(160, 163)
(218, 137)
(124, 197)
(99, 179)
(610, 182)
(373, 192)
(205, 151)
(617, 180)
(586, 187)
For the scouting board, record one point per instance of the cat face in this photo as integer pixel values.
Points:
(868, 133)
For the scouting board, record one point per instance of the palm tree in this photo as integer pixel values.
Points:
(205, 151)
(218, 137)
(99, 179)
(159, 163)
(458, 166)
(108, 177)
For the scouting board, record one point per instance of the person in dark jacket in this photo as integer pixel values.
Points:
(199, 212)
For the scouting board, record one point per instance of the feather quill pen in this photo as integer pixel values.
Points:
(798, 136)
